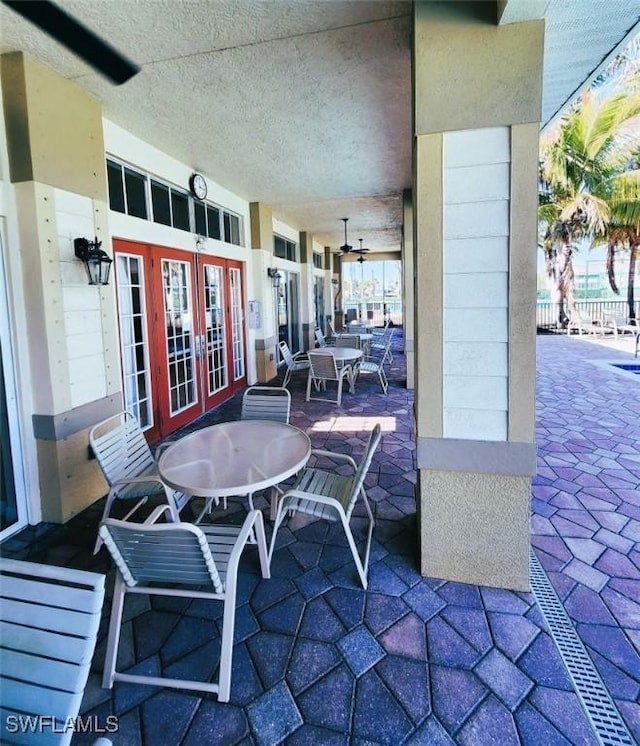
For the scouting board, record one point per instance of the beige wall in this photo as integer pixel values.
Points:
(57, 166)
(477, 88)
(408, 300)
(54, 143)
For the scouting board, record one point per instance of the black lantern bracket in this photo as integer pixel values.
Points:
(275, 276)
(96, 261)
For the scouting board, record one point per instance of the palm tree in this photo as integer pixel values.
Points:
(623, 231)
(589, 187)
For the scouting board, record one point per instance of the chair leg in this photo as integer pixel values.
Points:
(309, 379)
(361, 566)
(111, 497)
(226, 647)
(340, 389)
(113, 638)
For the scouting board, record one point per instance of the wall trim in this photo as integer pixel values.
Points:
(266, 343)
(66, 424)
(512, 458)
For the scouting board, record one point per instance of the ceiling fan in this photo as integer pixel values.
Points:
(77, 38)
(345, 248)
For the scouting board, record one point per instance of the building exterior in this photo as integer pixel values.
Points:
(204, 287)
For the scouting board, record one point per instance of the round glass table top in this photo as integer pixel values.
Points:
(234, 458)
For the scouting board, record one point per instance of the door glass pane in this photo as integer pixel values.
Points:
(8, 502)
(178, 313)
(215, 332)
(237, 331)
(282, 306)
(318, 301)
(294, 312)
(134, 349)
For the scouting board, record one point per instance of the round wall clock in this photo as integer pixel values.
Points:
(198, 186)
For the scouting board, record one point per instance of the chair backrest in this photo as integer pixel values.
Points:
(323, 365)
(358, 328)
(320, 340)
(286, 353)
(50, 617)
(120, 447)
(348, 340)
(266, 403)
(164, 553)
(331, 328)
(363, 468)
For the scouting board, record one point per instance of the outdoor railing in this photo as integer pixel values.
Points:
(376, 311)
(547, 311)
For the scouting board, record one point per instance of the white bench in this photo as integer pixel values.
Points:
(49, 619)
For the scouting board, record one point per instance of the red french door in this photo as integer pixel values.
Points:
(182, 333)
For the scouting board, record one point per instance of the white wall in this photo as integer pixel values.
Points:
(126, 147)
(475, 259)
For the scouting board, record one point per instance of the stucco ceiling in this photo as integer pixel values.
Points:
(302, 104)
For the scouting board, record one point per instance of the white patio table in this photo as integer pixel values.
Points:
(234, 458)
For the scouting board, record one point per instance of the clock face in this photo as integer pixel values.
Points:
(198, 186)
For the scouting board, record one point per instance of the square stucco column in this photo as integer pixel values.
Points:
(58, 177)
(266, 338)
(477, 93)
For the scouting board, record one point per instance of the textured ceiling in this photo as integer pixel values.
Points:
(302, 104)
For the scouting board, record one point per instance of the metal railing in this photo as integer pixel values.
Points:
(376, 311)
(547, 311)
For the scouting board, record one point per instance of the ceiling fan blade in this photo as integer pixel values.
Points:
(77, 38)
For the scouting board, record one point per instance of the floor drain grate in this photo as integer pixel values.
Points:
(605, 719)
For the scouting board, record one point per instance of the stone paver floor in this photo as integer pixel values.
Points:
(413, 660)
(586, 504)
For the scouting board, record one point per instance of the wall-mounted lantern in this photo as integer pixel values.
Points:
(96, 261)
(275, 276)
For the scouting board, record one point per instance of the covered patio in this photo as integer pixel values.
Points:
(412, 660)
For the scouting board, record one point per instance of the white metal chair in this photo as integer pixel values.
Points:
(170, 554)
(383, 341)
(375, 364)
(294, 363)
(619, 323)
(320, 339)
(348, 340)
(49, 621)
(128, 466)
(332, 496)
(583, 324)
(323, 368)
(266, 403)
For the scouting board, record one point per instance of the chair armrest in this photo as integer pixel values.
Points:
(335, 456)
(157, 512)
(162, 447)
(254, 519)
(141, 479)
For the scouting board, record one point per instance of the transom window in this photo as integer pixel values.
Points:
(142, 196)
(317, 260)
(283, 248)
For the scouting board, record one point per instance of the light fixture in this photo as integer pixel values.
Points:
(96, 261)
(276, 277)
(200, 242)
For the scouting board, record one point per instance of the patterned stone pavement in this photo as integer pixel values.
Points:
(413, 660)
(586, 504)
